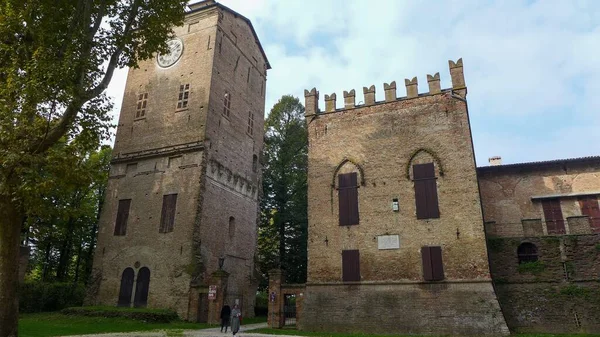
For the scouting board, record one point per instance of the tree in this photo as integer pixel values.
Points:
(284, 221)
(56, 59)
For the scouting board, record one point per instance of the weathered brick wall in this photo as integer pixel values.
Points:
(380, 141)
(506, 191)
(559, 293)
(395, 308)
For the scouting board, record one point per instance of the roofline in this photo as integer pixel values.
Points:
(539, 164)
(223, 7)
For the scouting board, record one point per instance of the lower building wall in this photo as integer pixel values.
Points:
(551, 307)
(465, 308)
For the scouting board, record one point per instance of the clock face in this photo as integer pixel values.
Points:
(175, 50)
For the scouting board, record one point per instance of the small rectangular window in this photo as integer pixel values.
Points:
(348, 199)
(426, 198)
(250, 123)
(555, 222)
(141, 105)
(167, 217)
(184, 94)
(122, 216)
(350, 265)
(433, 267)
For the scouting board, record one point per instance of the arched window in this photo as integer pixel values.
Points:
(126, 288)
(142, 285)
(231, 226)
(254, 163)
(226, 104)
(527, 252)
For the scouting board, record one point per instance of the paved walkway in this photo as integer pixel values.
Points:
(211, 332)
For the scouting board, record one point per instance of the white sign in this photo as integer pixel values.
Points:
(388, 242)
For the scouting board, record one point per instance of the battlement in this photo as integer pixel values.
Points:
(456, 73)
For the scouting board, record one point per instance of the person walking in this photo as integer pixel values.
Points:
(225, 316)
(236, 319)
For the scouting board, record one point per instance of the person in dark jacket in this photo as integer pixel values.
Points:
(225, 313)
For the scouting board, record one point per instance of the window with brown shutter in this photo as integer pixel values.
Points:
(589, 207)
(553, 214)
(350, 266)
(122, 216)
(426, 198)
(433, 266)
(348, 199)
(167, 217)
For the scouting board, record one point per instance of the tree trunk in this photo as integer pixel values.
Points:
(76, 279)
(10, 235)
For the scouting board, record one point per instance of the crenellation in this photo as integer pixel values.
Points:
(369, 95)
(330, 102)
(456, 73)
(349, 99)
(434, 83)
(390, 91)
(412, 87)
(311, 99)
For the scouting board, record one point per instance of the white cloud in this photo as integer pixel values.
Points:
(531, 69)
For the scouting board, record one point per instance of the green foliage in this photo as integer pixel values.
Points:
(141, 314)
(551, 239)
(261, 306)
(282, 236)
(56, 324)
(41, 296)
(570, 267)
(535, 268)
(573, 290)
(598, 247)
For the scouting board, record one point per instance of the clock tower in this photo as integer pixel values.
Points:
(181, 205)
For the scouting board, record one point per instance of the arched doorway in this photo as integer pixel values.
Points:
(142, 286)
(126, 288)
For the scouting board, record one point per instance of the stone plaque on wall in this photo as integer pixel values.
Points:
(388, 242)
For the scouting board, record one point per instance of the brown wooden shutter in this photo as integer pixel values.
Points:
(348, 199)
(126, 288)
(426, 258)
(167, 217)
(350, 266)
(553, 215)
(122, 216)
(589, 207)
(433, 266)
(426, 198)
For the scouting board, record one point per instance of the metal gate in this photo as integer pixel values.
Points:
(289, 310)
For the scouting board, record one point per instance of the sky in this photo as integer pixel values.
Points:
(532, 68)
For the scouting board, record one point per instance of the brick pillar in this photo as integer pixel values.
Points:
(276, 279)
(218, 280)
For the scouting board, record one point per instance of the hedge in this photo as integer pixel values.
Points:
(35, 296)
(140, 314)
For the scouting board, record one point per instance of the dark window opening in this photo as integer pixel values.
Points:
(433, 266)
(184, 95)
(254, 163)
(527, 252)
(554, 217)
(250, 123)
(348, 199)
(226, 104)
(589, 207)
(142, 285)
(231, 226)
(126, 288)
(426, 198)
(167, 217)
(350, 265)
(141, 105)
(122, 216)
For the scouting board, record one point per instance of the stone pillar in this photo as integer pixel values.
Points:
(311, 102)
(456, 73)
(412, 89)
(369, 95)
(434, 83)
(390, 91)
(330, 102)
(217, 289)
(349, 99)
(579, 225)
(276, 317)
(532, 227)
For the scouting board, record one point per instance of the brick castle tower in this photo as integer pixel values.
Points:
(178, 226)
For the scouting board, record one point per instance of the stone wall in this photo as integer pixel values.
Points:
(556, 294)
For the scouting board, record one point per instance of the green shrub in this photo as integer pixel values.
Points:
(261, 307)
(531, 267)
(36, 296)
(140, 314)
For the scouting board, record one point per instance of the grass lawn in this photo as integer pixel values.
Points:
(326, 334)
(56, 324)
